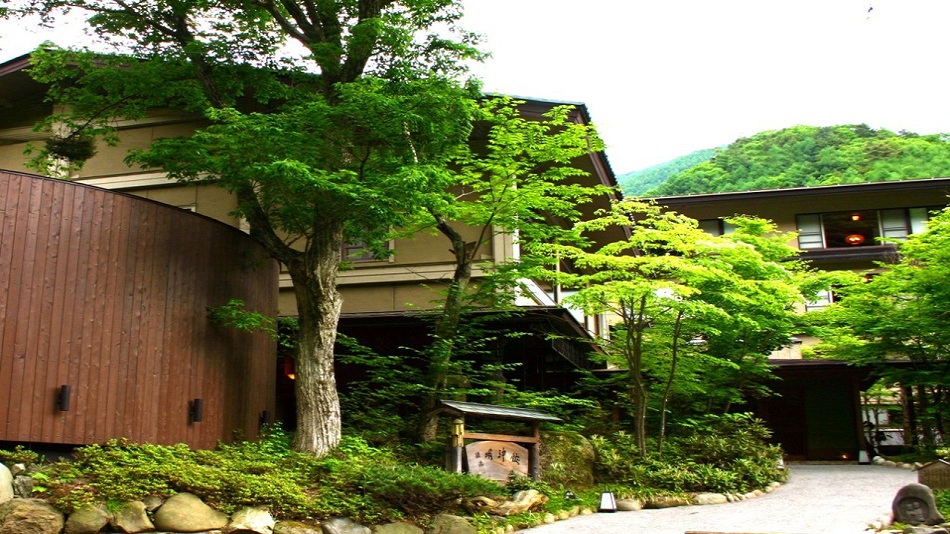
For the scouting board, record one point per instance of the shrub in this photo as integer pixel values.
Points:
(725, 454)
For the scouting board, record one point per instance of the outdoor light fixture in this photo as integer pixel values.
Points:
(608, 503)
(62, 397)
(855, 216)
(195, 411)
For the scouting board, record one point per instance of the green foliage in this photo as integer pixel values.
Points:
(20, 455)
(811, 156)
(637, 183)
(356, 480)
(724, 454)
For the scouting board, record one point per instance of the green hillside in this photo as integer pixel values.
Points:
(810, 156)
(637, 183)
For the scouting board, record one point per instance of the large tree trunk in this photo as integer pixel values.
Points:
(318, 306)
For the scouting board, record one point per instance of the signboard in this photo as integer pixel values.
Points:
(496, 460)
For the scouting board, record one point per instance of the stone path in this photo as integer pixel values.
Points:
(830, 499)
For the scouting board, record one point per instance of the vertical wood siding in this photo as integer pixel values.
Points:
(108, 293)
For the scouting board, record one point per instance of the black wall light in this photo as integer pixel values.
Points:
(195, 411)
(62, 397)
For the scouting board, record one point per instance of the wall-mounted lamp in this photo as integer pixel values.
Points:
(854, 239)
(195, 411)
(855, 216)
(62, 397)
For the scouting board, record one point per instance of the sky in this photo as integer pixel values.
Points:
(662, 78)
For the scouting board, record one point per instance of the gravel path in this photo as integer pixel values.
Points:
(830, 499)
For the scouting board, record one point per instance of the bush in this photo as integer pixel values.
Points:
(357, 481)
(723, 454)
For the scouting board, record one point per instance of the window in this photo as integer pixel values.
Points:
(858, 228)
(822, 300)
(356, 251)
(716, 227)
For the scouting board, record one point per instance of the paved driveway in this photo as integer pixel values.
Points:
(830, 499)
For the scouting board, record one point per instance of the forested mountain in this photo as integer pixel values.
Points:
(637, 183)
(810, 156)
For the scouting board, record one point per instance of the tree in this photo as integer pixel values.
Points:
(902, 314)
(341, 143)
(678, 293)
(516, 181)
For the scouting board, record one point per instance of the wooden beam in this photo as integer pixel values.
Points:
(500, 437)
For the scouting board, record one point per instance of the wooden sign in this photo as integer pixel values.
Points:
(496, 460)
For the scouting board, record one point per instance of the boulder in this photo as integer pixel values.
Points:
(132, 518)
(397, 528)
(477, 505)
(185, 512)
(295, 527)
(88, 520)
(30, 516)
(152, 502)
(450, 524)
(567, 459)
(6, 484)
(23, 486)
(251, 520)
(914, 504)
(342, 525)
(520, 502)
(665, 501)
(710, 498)
(629, 505)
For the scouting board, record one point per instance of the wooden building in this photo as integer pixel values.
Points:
(104, 328)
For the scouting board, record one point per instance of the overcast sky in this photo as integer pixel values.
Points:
(662, 78)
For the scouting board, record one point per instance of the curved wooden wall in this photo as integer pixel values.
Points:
(107, 293)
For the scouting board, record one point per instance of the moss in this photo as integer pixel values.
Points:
(567, 459)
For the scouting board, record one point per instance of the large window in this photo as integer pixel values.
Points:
(858, 228)
(716, 227)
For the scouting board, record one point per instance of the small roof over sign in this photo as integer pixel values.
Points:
(495, 412)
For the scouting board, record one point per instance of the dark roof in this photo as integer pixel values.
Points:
(841, 189)
(495, 412)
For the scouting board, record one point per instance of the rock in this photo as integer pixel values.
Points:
(185, 512)
(665, 501)
(520, 502)
(710, 498)
(295, 527)
(567, 459)
(23, 486)
(18, 469)
(342, 525)
(563, 514)
(251, 520)
(479, 504)
(450, 524)
(915, 505)
(152, 502)
(88, 520)
(397, 528)
(6, 484)
(548, 519)
(132, 518)
(629, 505)
(586, 511)
(30, 516)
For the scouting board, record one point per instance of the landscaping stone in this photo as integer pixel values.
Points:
(915, 505)
(152, 502)
(132, 518)
(88, 520)
(450, 524)
(710, 498)
(23, 486)
(251, 520)
(18, 469)
(185, 512)
(399, 527)
(924, 530)
(665, 501)
(548, 519)
(30, 516)
(342, 525)
(520, 502)
(295, 527)
(629, 505)
(6, 484)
